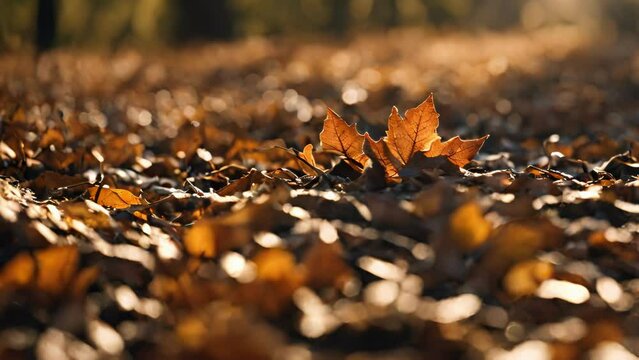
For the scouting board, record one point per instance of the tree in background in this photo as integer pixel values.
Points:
(46, 24)
(204, 19)
(385, 13)
(25, 24)
(340, 16)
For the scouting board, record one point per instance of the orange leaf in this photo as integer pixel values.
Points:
(458, 151)
(415, 133)
(114, 198)
(199, 240)
(524, 278)
(49, 270)
(339, 136)
(467, 226)
(380, 151)
(307, 155)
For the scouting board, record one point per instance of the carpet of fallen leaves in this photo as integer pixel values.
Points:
(186, 204)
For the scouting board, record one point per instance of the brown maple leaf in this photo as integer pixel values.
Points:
(381, 153)
(416, 132)
(342, 138)
(458, 151)
(405, 137)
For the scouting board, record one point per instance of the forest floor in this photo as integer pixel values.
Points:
(158, 205)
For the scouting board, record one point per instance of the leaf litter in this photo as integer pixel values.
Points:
(165, 207)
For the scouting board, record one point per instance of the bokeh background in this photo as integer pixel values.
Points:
(114, 23)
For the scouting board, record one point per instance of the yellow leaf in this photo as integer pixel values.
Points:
(83, 280)
(49, 270)
(468, 227)
(113, 198)
(191, 332)
(415, 133)
(199, 240)
(274, 264)
(525, 277)
(56, 268)
(19, 272)
(516, 241)
(342, 138)
(307, 155)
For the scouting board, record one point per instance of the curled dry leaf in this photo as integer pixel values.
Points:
(458, 151)
(309, 165)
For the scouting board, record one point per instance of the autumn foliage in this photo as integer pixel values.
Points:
(405, 137)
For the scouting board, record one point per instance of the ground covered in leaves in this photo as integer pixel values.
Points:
(168, 205)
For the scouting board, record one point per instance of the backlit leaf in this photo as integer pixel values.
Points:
(342, 138)
(458, 151)
(113, 198)
(381, 153)
(416, 132)
(307, 155)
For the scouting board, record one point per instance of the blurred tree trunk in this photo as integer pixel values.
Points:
(204, 19)
(385, 13)
(45, 24)
(437, 13)
(496, 14)
(340, 16)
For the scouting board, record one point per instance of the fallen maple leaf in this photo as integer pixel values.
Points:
(342, 138)
(381, 153)
(405, 137)
(416, 132)
(458, 151)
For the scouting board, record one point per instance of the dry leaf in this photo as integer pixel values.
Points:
(278, 276)
(113, 198)
(199, 240)
(307, 155)
(415, 133)
(405, 137)
(458, 151)
(467, 226)
(49, 270)
(525, 277)
(381, 153)
(325, 265)
(339, 136)
(510, 243)
(210, 236)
